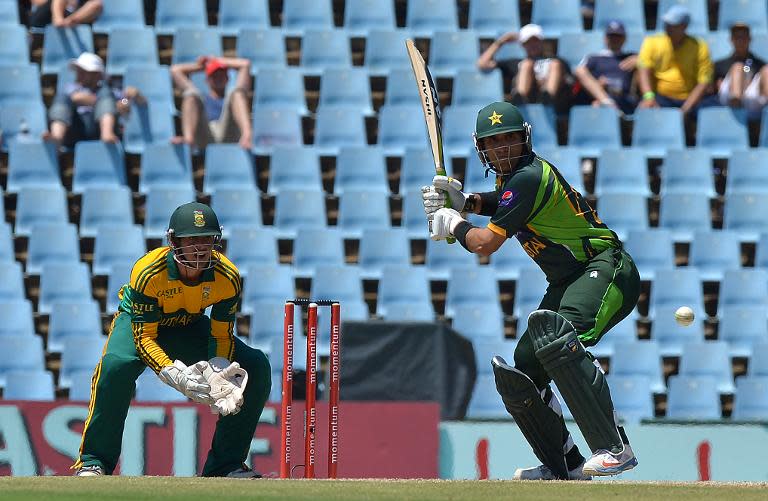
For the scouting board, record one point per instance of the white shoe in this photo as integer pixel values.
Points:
(243, 472)
(542, 472)
(604, 463)
(93, 470)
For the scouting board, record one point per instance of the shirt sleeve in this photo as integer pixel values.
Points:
(145, 316)
(645, 56)
(705, 64)
(222, 342)
(516, 203)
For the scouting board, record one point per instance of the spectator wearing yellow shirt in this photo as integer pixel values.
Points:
(675, 69)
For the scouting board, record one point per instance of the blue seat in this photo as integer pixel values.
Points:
(671, 336)
(337, 282)
(415, 171)
(622, 171)
(6, 240)
(708, 358)
(743, 215)
(9, 13)
(401, 127)
(683, 214)
(363, 209)
(509, 260)
(742, 328)
(658, 130)
(317, 247)
(623, 212)
(147, 124)
(161, 202)
(267, 283)
(40, 205)
(631, 13)
(744, 287)
(295, 209)
(361, 168)
(530, 288)
(346, 87)
(544, 127)
(32, 165)
(592, 129)
(81, 319)
(302, 15)
(237, 15)
(63, 282)
(486, 402)
(27, 355)
(237, 208)
(380, 59)
(60, 45)
(457, 131)
(487, 348)
(382, 247)
(190, 43)
(362, 16)
(746, 173)
(719, 43)
(752, 12)
(154, 83)
(29, 385)
(677, 287)
(722, 130)
(269, 328)
(107, 206)
(171, 15)
(21, 82)
(425, 17)
(14, 50)
(693, 398)
(574, 47)
(275, 126)
(638, 358)
(761, 255)
(119, 275)
(652, 250)
(751, 399)
(402, 285)
(632, 397)
(759, 45)
(351, 311)
(414, 220)
(557, 17)
(488, 18)
(228, 166)
(80, 385)
(98, 165)
(282, 87)
(471, 286)
(325, 49)
(263, 48)
(51, 243)
(714, 252)
(294, 169)
(689, 171)
(18, 117)
(625, 330)
(422, 311)
(165, 165)
(479, 321)
(149, 388)
(476, 179)
(17, 318)
(451, 51)
(401, 88)
(252, 245)
(763, 142)
(119, 14)
(567, 161)
(11, 281)
(116, 244)
(338, 127)
(699, 23)
(475, 88)
(135, 46)
(758, 364)
(442, 257)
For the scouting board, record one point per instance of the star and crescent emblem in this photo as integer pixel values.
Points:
(495, 118)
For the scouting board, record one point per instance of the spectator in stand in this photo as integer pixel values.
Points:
(220, 115)
(742, 77)
(607, 76)
(64, 13)
(537, 78)
(674, 68)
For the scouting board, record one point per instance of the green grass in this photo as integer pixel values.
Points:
(169, 488)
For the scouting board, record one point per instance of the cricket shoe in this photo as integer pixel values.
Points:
(604, 463)
(243, 472)
(542, 472)
(92, 470)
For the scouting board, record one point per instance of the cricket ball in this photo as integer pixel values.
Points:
(684, 315)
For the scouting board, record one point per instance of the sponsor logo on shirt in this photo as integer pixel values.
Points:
(169, 293)
(506, 198)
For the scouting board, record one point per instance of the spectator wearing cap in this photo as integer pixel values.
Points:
(86, 109)
(537, 78)
(219, 115)
(64, 13)
(742, 78)
(607, 76)
(674, 68)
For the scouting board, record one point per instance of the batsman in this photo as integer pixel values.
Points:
(161, 324)
(592, 284)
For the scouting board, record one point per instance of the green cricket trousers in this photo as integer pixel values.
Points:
(114, 383)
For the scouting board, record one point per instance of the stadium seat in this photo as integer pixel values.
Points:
(11, 282)
(32, 165)
(574, 47)
(402, 285)
(21, 82)
(136, 46)
(451, 51)
(742, 328)
(530, 287)
(684, 214)
(592, 129)
(362, 16)
(622, 171)
(295, 209)
(677, 287)
(29, 385)
(237, 208)
(338, 127)
(165, 166)
(743, 214)
(761, 255)
(744, 287)
(107, 206)
(269, 328)
(475, 88)
(411, 312)
(361, 169)
(119, 275)
(745, 172)
(401, 88)
(557, 17)
(442, 257)
(752, 12)
(708, 358)
(267, 283)
(414, 220)
(190, 43)
(9, 13)
(763, 142)
(294, 169)
(671, 336)
(27, 355)
(688, 171)
(629, 12)
(115, 244)
(275, 126)
(63, 282)
(302, 15)
(489, 18)
(252, 245)
(658, 130)
(458, 124)
(51, 243)
(160, 204)
(14, 50)
(317, 247)
(758, 364)
(425, 17)
(80, 388)
(382, 247)
(61, 45)
(486, 402)
(282, 87)
(325, 49)
(476, 178)
(337, 282)
(171, 15)
(543, 128)
(719, 43)
(625, 330)
(652, 250)
(508, 260)
(362, 209)
(632, 397)
(479, 321)
(714, 252)
(98, 165)
(149, 388)
(17, 318)
(228, 166)
(722, 130)
(119, 14)
(470, 286)
(263, 48)
(566, 160)
(413, 174)
(22, 118)
(638, 359)
(487, 348)
(154, 83)
(401, 127)
(148, 124)
(237, 15)
(82, 319)
(346, 87)
(6, 240)
(623, 212)
(699, 23)
(380, 59)
(40, 205)
(693, 398)
(751, 399)
(351, 311)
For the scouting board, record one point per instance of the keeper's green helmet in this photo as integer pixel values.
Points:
(500, 118)
(195, 220)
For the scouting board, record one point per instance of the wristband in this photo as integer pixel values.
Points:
(469, 204)
(461, 233)
(649, 95)
(490, 202)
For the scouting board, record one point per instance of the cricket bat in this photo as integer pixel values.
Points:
(430, 105)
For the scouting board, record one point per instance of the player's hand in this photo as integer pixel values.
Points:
(443, 189)
(444, 222)
(228, 382)
(188, 380)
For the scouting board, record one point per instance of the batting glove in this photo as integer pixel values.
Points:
(444, 223)
(188, 380)
(442, 190)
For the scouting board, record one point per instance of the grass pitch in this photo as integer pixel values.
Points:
(170, 488)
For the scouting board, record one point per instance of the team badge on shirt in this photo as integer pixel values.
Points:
(199, 218)
(206, 292)
(506, 198)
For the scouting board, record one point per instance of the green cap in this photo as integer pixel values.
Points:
(194, 220)
(498, 118)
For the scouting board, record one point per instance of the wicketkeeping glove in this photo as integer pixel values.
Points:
(443, 188)
(188, 380)
(227, 381)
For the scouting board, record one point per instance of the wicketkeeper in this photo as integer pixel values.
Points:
(593, 284)
(161, 324)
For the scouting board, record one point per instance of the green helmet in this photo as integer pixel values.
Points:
(500, 118)
(194, 220)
